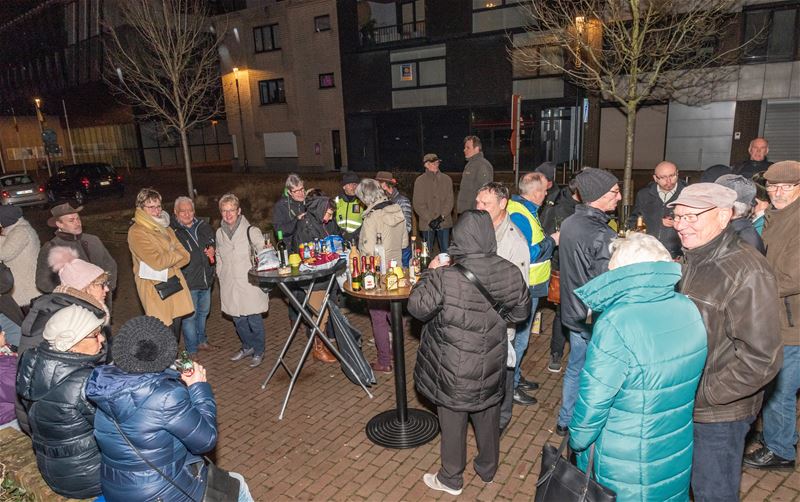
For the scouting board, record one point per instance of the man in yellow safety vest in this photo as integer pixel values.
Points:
(348, 207)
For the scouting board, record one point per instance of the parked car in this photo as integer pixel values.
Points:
(21, 190)
(81, 181)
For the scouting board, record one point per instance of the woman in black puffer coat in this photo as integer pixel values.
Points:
(463, 350)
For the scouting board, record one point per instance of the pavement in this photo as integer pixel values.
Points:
(319, 451)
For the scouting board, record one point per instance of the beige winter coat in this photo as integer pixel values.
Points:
(237, 295)
(391, 224)
(19, 247)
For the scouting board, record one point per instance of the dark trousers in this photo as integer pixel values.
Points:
(717, 460)
(560, 334)
(454, 444)
(507, 406)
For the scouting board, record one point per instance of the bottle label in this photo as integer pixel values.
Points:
(369, 282)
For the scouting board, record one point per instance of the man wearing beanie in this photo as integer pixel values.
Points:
(69, 232)
(740, 222)
(735, 291)
(348, 207)
(583, 255)
(18, 250)
(50, 382)
(782, 238)
(548, 169)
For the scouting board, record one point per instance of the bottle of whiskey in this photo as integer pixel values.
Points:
(392, 280)
(369, 282)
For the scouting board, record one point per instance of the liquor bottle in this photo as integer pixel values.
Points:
(414, 267)
(369, 282)
(283, 253)
(355, 276)
(641, 226)
(392, 280)
(184, 364)
(381, 253)
(424, 259)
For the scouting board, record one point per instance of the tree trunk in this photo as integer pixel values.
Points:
(627, 181)
(187, 162)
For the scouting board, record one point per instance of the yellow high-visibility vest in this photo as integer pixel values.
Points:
(348, 214)
(538, 272)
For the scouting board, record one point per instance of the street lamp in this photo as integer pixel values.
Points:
(241, 120)
(40, 119)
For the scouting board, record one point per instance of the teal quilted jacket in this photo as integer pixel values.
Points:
(637, 387)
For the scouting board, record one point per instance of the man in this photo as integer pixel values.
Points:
(523, 211)
(433, 202)
(511, 245)
(583, 255)
(736, 293)
(477, 173)
(389, 187)
(197, 237)
(740, 222)
(548, 169)
(782, 238)
(758, 150)
(348, 207)
(651, 205)
(69, 232)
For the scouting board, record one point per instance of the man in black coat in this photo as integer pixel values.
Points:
(758, 150)
(651, 204)
(197, 237)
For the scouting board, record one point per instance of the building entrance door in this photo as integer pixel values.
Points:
(337, 149)
(558, 139)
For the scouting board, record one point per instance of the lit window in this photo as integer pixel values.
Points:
(326, 81)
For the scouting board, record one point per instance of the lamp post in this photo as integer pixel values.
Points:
(40, 119)
(241, 120)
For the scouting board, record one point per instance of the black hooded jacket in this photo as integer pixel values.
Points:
(462, 355)
(199, 272)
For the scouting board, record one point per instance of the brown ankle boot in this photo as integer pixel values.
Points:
(321, 352)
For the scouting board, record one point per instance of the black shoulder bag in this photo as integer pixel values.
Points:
(220, 485)
(560, 481)
(500, 309)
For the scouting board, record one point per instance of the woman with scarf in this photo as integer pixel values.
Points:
(237, 240)
(155, 250)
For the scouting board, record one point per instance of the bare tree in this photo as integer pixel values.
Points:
(632, 51)
(163, 60)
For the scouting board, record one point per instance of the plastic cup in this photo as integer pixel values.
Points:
(444, 259)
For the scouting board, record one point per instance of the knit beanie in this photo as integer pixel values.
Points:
(144, 345)
(9, 215)
(72, 271)
(350, 177)
(711, 174)
(548, 169)
(745, 189)
(69, 326)
(593, 183)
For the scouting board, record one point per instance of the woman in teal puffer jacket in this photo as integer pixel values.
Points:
(642, 368)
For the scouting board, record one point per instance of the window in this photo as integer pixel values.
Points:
(326, 81)
(773, 33)
(271, 91)
(322, 23)
(266, 38)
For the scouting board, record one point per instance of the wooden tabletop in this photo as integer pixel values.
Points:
(378, 294)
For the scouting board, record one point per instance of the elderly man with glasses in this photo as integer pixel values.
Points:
(651, 204)
(735, 291)
(782, 238)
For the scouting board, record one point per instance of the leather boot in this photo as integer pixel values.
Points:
(321, 352)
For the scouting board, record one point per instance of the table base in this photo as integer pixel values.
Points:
(386, 429)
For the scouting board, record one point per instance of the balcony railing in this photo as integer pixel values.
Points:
(394, 33)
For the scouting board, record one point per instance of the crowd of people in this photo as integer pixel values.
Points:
(681, 333)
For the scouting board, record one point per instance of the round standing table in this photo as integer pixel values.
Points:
(401, 427)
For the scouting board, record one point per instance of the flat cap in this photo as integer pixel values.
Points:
(704, 196)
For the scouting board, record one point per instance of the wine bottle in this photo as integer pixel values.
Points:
(283, 253)
(424, 259)
(355, 276)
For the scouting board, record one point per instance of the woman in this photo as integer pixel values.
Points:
(155, 249)
(461, 364)
(237, 242)
(643, 364)
(19, 248)
(153, 423)
(385, 218)
(289, 214)
(50, 383)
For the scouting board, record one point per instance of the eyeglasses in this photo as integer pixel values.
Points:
(104, 284)
(782, 186)
(297, 190)
(94, 334)
(153, 207)
(667, 177)
(689, 217)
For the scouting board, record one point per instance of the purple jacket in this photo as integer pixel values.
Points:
(8, 372)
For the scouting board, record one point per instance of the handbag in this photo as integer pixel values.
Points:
(500, 309)
(560, 481)
(554, 287)
(220, 485)
(169, 287)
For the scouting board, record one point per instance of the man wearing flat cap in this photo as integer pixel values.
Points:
(69, 232)
(782, 238)
(583, 255)
(735, 291)
(433, 203)
(348, 207)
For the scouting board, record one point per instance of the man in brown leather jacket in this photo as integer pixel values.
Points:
(782, 238)
(736, 292)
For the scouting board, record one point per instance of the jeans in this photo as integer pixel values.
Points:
(569, 390)
(250, 329)
(244, 490)
(442, 235)
(453, 446)
(194, 326)
(406, 258)
(522, 336)
(780, 406)
(717, 460)
(381, 327)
